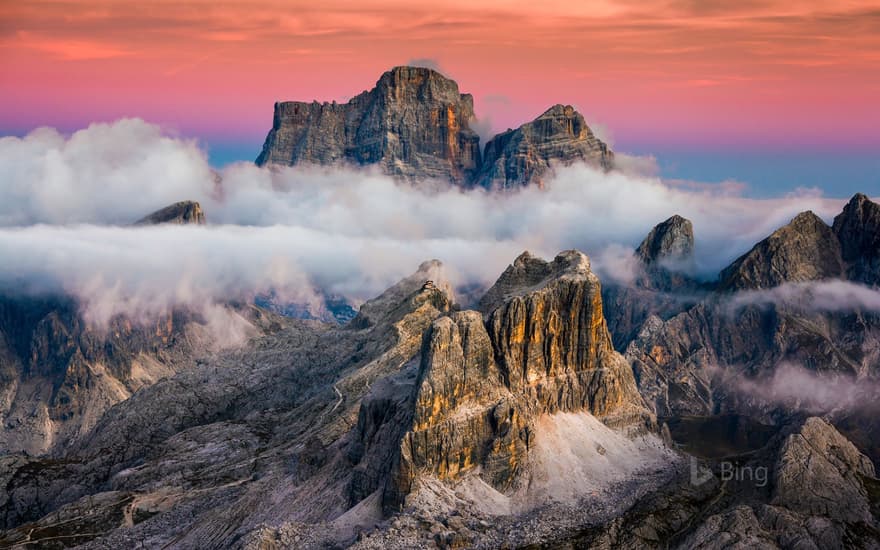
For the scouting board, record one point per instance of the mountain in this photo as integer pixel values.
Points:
(727, 353)
(663, 283)
(858, 229)
(415, 125)
(526, 155)
(326, 428)
(181, 213)
(804, 250)
(671, 240)
(419, 425)
(60, 372)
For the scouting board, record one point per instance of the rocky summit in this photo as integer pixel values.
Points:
(804, 250)
(413, 124)
(416, 125)
(858, 229)
(180, 213)
(528, 154)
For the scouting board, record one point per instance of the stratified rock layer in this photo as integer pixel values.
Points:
(528, 154)
(543, 348)
(414, 124)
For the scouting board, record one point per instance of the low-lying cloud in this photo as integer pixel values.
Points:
(798, 388)
(294, 230)
(830, 296)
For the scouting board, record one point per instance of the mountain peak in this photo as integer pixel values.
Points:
(560, 135)
(672, 239)
(805, 249)
(858, 228)
(529, 273)
(181, 213)
(415, 124)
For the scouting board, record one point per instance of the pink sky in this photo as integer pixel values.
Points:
(762, 75)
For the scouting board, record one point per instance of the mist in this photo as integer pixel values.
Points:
(816, 296)
(794, 386)
(66, 203)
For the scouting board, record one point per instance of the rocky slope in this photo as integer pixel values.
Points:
(418, 425)
(741, 350)
(804, 250)
(60, 373)
(321, 429)
(415, 125)
(807, 488)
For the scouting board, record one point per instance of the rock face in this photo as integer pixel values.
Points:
(60, 373)
(526, 155)
(858, 229)
(414, 124)
(671, 240)
(181, 213)
(663, 283)
(820, 473)
(482, 386)
(728, 353)
(804, 250)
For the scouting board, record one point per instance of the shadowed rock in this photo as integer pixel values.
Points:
(804, 250)
(858, 228)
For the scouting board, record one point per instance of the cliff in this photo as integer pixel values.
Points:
(415, 125)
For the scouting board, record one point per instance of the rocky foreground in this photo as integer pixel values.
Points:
(422, 425)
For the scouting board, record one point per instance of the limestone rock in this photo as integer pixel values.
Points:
(527, 154)
(820, 472)
(858, 228)
(483, 385)
(804, 250)
(671, 240)
(553, 332)
(181, 213)
(413, 124)
(663, 285)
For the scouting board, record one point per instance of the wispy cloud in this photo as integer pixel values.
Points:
(71, 49)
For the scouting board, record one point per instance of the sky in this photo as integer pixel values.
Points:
(777, 95)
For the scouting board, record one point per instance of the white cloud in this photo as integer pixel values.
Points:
(819, 296)
(353, 232)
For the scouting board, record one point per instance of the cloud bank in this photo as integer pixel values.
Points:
(64, 200)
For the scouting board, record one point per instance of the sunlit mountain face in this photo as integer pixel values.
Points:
(472, 275)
